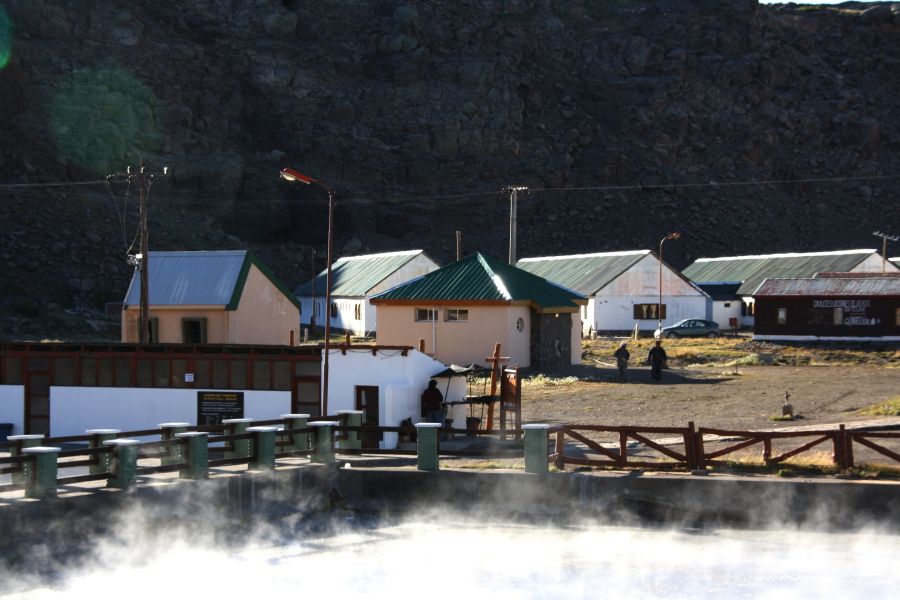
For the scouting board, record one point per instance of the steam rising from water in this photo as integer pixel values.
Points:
(442, 558)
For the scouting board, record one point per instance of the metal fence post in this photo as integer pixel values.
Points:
(263, 447)
(537, 440)
(239, 448)
(197, 454)
(299, 442)
(123, 463)
(350, 418)
(19, 442)
(427, 446)
(99, 437)
(42, 482)
(323, 442)
(168, 431)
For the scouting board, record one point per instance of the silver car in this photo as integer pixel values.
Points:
(690, 328)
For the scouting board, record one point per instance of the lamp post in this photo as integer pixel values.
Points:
(292, 175)
(672, 236)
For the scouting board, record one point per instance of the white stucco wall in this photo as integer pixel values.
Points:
(873, 264)
(75, 409)
(12, 407)
(400, 381)
(721, 313)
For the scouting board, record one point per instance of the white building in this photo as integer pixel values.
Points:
(355, 279)
(748, 272)
(623, 289)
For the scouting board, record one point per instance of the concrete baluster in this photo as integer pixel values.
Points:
(240, 448)
(263, 447)
(42, 480)
(299, 442)
(168, 431)
(123, 466)
(323, 442)
(196, 453)
(99, 437)
(350, 418)
(537, 440)
(427, 446)
(17, 444)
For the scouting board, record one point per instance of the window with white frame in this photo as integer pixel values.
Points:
(838, 318)
(782, 316)
(426, 314)
(457, 315)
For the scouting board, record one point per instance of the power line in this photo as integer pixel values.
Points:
(51, 184)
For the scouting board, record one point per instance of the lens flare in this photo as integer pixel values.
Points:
(6, 38)
(105, 119)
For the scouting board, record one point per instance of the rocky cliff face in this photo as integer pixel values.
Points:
(627, 119)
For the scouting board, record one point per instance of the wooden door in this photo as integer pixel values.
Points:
(37, 402)
(306, 396)
(367, 401)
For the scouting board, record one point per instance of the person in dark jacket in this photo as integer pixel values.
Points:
(622, 355)
(657, 360)
(433, 404)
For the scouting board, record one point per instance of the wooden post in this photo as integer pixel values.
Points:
(495, 360)
(560, 449)
(422, 345)
(623, 448)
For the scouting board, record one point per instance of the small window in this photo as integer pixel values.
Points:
(520, 324)
(357, 311)
(648, 312)
(456, 315)
(782, 316)
(838, 315)
(897, 316)
(193, 331)
(334, 310)
(154, 330)
(426, 314)
(727, 305)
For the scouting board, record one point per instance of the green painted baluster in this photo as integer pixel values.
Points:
(123, 466)
(323, 442)
(19, 443)
(168, 431)
(98, 438)
(537, 437)
(197, 454)
(350, 418)
(427, 447)
(42, 482)
(299, 441)
(240, 448)
(263, 447)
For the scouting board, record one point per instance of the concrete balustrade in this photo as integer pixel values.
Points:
(299, 442)
(323, 442)
(350, 418)
(537, 439)
(263, 447)
(427, 446)
(17, 444)
(196, 452)
(168, 431)
(99, 437)
(123, 463)
(239, 448)
(42, 480)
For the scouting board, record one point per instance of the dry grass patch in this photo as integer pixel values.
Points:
(888, 408)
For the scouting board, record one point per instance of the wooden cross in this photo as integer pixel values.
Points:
(495, 361)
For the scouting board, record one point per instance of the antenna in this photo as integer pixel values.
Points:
(884, 240)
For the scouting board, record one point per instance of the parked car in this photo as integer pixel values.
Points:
(690, 328)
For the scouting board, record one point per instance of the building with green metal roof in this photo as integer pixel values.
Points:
(216, 297)
(623, 289)
(459, 313)
(751, 271)
(355, 279)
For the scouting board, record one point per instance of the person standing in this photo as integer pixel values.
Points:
(657, 360)
(622, 355)
(433, 404)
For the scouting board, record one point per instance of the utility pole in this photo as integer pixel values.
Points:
(312, 315)
(513, 202)
(142, 260)
(884, 240)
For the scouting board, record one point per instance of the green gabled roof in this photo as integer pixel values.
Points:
(479, 278)
(584, 273)
(750, 271)
(356, 275)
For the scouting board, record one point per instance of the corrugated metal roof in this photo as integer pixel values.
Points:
(203, 278)
(179, 278)
(356, 275)
(830, 286)
(481, 278)
(752, 270)
(584, 273)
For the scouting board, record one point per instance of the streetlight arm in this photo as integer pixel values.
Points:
(289, 174)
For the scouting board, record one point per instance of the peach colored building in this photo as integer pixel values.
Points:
(462, 310)
(219, 297)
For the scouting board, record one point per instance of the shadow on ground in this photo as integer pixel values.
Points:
(637, 375)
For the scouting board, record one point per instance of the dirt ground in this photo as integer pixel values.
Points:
(715, 396)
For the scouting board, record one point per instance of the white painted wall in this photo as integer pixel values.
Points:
(873, 264)
(721, 313)
(76, 409)
(400, 381)
(12, 407)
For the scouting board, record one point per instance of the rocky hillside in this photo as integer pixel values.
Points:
(627, 119)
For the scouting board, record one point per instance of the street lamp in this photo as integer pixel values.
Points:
(672, 236)
(292, 175)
